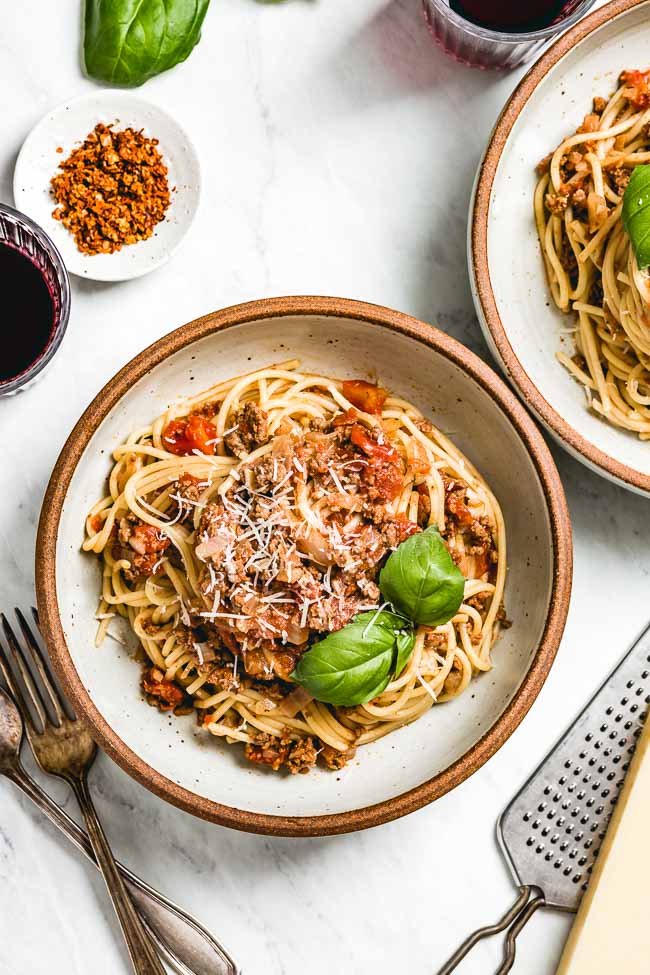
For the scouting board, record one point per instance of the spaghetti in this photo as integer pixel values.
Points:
(590, 263)
(250, 520)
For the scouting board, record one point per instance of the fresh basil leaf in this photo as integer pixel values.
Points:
(421, 580)
(390, 621)
(402, 630)
(352, 665)
(404, 642)
(636, 214)
(126, 42)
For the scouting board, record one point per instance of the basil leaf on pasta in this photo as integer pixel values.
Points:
(421, 580)
(354, 664)
(404, 643)
(636, 214)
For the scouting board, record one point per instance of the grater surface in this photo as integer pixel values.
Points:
(551, 831)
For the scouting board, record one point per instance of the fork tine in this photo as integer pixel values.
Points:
(28, 689)
(14, 688)
(65, 703)
(63, 699)
(38, 659)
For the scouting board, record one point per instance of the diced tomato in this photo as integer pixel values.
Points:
(148, 538)
(194, 433)
(458, 509)
(174, 439)
(186, 480)
(384, 472)
(406, 527)
(150, 564)
(373, 448)
(481, 564)
(169, 695)
(368, 397)
(343, 418)
(638, 91)
(418, 458)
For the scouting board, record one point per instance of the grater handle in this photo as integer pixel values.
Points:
(511, 940)
(520, 908)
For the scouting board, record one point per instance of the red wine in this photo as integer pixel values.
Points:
(28, 312)
(510, 15)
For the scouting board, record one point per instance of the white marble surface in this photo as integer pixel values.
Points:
(339, 147)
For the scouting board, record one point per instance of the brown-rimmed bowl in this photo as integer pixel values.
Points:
(410, 767)
(521, 323)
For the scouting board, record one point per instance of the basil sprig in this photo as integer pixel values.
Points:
(636, 214)
(356, 663)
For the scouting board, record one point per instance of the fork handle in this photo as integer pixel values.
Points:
(188, 946)
(144, 957)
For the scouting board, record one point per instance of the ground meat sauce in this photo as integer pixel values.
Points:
(142, 546)
(164, 694)
(112, 190)
(274, 583)
(251, 430)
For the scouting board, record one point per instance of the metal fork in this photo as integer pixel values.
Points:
(182, 940)
(63, 747)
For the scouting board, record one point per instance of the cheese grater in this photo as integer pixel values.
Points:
(551, 831)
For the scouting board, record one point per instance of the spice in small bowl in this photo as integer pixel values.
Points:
(112, 190)
(149, 194)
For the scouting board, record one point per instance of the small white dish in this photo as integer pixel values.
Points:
(66, 127)
(523, 327)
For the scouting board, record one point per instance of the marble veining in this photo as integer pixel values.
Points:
(339, 147)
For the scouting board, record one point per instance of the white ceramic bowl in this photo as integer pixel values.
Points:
(520, 321)
(415, 764)
(66, 127)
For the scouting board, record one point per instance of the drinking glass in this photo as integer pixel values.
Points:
(20, 232)
(482, 47)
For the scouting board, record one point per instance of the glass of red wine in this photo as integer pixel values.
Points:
(499, 33)
(35, 296)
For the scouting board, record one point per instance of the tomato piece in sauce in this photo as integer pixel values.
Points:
(457, 508)
(188, 480)
(384, 474)
(373, 448)
(406, 527)
(186, 436)
(342, 419)
(147, 538)
(368, 397)
(481, 564)
(169, 695)
(637, 81)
